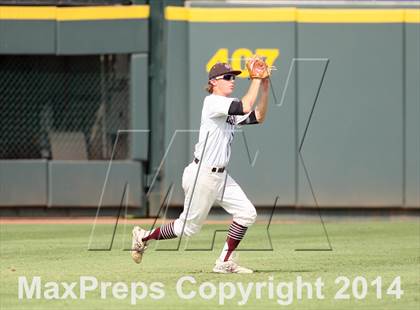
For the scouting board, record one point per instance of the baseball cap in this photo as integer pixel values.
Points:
(222, 68)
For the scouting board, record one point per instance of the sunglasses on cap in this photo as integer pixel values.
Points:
(226, 77)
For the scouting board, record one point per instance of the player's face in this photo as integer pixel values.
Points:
(225, 84)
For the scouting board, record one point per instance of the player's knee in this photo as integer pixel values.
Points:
(252, 216)
(188, 230)
(247, 218)
(191, 231)
(188, 233)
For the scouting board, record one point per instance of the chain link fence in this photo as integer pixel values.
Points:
(64, 107)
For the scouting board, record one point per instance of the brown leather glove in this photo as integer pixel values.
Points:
(257, 68)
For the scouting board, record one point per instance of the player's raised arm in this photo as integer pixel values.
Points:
(258, 72)
(261, 109)
(251, 96)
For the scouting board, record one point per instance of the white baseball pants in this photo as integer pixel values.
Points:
(202, 193)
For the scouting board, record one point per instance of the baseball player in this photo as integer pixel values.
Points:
(205, 180)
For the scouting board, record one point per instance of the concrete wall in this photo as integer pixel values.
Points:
(362, 145)
(23, 182)
(354, 147)
(73, 30)
(93, 183)
(412, 114)
(69, 183)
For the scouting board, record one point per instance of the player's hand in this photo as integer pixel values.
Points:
(257, 67)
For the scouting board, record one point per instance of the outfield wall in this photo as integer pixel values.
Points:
(79, 74)
(362, 147)
(149, 63)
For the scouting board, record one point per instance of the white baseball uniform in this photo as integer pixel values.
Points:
(205, 181)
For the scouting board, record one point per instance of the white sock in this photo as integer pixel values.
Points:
(224, 251)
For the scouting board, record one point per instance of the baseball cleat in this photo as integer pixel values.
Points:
(229, 266)
(138, 246)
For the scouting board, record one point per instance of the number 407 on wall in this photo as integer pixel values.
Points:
(239, 56)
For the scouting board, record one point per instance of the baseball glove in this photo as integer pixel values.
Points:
(257, 68)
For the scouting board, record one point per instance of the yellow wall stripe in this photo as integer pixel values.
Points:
(74, 13)
(350, 16)
(230, 14)
(412, 16)
(176, 13)
(226, 15)
(243, 14)
(105, 12)
(214, 14)
(27, 12)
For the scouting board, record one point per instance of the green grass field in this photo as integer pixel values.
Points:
(368, 248)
